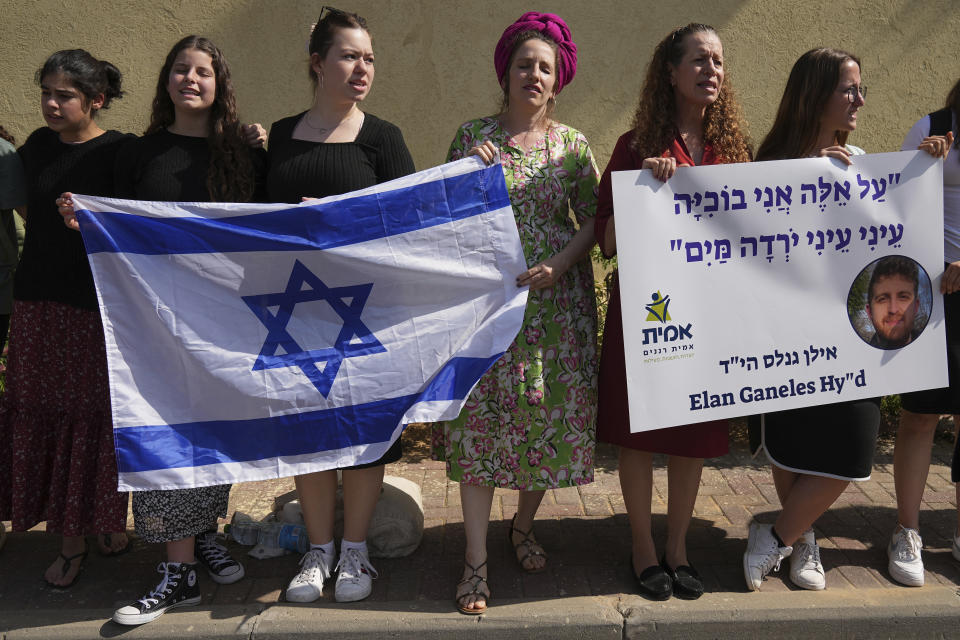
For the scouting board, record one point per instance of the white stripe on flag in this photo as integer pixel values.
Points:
(258, 341)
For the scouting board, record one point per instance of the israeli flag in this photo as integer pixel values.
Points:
(253, 341)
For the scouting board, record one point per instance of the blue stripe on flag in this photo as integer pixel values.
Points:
(320, 226)
(196, 444)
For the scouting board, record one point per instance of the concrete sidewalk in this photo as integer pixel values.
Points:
(586, 592)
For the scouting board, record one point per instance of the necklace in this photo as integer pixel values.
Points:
(306, 119)
(523, 138)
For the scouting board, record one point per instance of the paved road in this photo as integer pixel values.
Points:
(585, 593)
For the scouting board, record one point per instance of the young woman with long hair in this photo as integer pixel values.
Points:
(818, 111)
(529, 423)
(687, 115)
(194, 150)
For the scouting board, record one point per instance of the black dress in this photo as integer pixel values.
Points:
(301, 168)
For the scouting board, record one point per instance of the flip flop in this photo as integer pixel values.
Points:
(113, 552)
(67, 563)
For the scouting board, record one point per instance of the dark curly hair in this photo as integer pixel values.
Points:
(230, 177)
(654, 125)
(812, 81)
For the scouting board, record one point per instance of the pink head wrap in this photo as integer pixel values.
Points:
(553, 27)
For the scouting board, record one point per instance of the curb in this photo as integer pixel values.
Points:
(932, 612)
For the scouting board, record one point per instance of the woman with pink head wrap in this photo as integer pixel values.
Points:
(529, 423)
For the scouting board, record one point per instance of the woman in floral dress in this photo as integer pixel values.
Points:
(529, 424)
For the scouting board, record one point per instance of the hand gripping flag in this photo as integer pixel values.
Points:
(251, 341)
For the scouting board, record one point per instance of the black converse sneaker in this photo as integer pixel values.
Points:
(178, 588)
(215, 557)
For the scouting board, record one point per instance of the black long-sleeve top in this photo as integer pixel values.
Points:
(300, 168)
(53, 265)
(173, 168)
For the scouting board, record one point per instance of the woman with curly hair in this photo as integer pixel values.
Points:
(194, 150)
(687, 116)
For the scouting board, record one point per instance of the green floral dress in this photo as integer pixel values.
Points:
(530, 421)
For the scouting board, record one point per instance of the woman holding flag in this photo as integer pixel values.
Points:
(194, 150)
(56, 435)
(529, 422)
(334, 148)
(687, 116)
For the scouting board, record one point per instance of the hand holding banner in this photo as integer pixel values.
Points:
(749, 288)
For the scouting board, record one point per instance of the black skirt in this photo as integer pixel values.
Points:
(946, 399)
(834, 440)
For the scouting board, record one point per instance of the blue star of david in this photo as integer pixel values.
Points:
(277, 335)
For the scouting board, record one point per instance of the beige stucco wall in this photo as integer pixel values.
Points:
(434, 57)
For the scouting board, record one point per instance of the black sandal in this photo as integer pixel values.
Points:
(105, 544)
(527, 544)
(474, 580)
(67, 563)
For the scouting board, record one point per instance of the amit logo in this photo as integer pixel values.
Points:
(666, 330)
(658, 308)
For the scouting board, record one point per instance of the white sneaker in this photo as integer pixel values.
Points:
(315, 567)
(354, 581)
(906, 565)
(806, 571)
(763, 554)
(955, 550)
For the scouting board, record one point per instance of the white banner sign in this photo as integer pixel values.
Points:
(751, 288)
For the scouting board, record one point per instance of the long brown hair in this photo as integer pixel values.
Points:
(953, 103)
(812, 81)
(654, 125)
(230, 177)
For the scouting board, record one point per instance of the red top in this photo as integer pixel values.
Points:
(624, 158)
(701, 440)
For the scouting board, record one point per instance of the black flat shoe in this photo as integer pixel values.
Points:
(653, 582)
(686, 581)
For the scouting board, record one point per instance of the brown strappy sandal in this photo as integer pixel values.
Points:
(527, 544)
(474, 580)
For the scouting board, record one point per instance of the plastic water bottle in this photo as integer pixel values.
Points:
(244, 532)
(271, 535)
